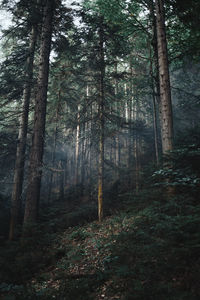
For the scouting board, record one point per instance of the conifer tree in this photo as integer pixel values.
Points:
(21, 146)
(164, 80)
(36, 155)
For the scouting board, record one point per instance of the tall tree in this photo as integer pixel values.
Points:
(165, 90)
(101, 120)
(21, 146)
(36, 155)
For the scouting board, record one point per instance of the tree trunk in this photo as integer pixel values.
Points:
(53, 157)
(165, 91)
(77, 157)
(61, 180)
(83, 159)
(101, 126)
(117, 140)
(35, 167)
(155, 126)
(53, 154)
(21, 146)
(137, 147)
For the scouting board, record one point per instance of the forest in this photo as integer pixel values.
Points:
(100, 150)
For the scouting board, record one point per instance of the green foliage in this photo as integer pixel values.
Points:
(79, 235)
(183, 171)
(148, 250)
(156, 255)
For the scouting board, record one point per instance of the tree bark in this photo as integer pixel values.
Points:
(165, 91)
(117, 138)
(155, 126)
(36, 155)
(22, 136)
(77, 150)
(101, 125)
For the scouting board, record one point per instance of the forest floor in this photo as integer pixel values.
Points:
(147, 249)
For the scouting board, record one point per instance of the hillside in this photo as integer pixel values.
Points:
(148, 248)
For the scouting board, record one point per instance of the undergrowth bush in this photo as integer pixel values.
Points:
(183, 171)
(149, 250)
(157, 255)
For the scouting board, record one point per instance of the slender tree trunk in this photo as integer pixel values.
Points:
(82, 157)
(137, 162)
(21, 146)
(53, 157)
(117, 142)
(165, 91)
(35, 167)
(77, 158)
(126, 104)
(61, 180)
(88, 140)
(132, 136)
(155, 127)
(101, 126)
(155, 57)
(137, 149)
(130, 139)
(90, 152)
(126, 131)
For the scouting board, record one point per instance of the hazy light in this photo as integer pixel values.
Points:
(5, 20)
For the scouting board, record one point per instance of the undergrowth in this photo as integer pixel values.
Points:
(148, 250)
